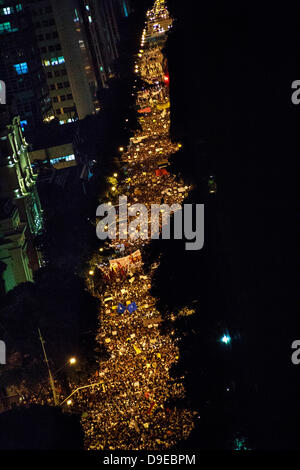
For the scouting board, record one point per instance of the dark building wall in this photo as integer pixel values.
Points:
(103, 20)
(20, 65)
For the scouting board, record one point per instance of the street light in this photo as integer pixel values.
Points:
(70, 362)
(91, 272)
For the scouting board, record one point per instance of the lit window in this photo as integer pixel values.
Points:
(6, 28)
(54, 61)
(46, 63)
(21, 68)
(61, 60)
(7, 11)
(19, 7)
(67, 158)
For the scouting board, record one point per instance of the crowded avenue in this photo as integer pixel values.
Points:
(131, 403)
(129, 409)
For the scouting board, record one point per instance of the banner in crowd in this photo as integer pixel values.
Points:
(131, 261)
(145, 110)
(163, 106)
(162, 172)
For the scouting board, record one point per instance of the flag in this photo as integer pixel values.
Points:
(132, 307)
(121, 308)
(137, 350)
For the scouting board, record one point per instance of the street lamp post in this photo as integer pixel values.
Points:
(49, 370)
(79, 388)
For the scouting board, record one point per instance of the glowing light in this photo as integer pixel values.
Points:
(91, 272)
(72, 360)
(226, 339)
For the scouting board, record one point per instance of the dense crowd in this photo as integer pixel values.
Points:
(133, 405)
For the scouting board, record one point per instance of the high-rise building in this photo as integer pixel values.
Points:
(56, 54)
(103, 19)
(66, 58)
(20, 65)
(52, 60)
(21, 217)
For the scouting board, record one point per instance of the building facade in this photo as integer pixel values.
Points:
(53, 61)
(13, 247)
(58, 156)
(21, 215)
(20, 65)
(55, 55)
(66, 58)
(102, 19)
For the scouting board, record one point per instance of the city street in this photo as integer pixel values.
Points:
(129, 409)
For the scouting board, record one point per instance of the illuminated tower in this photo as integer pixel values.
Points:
(18, 181)
(18, 188)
